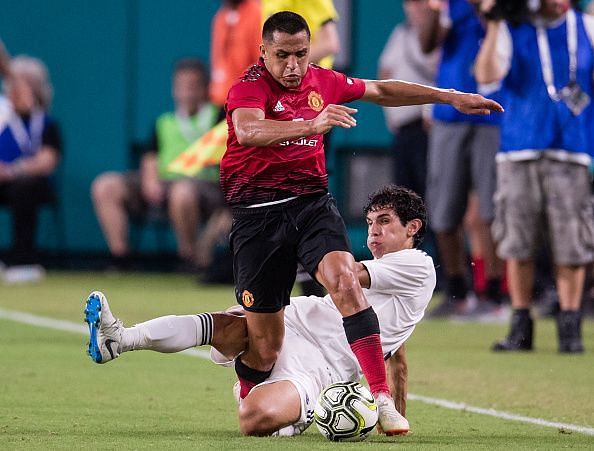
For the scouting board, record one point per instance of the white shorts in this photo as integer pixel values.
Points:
(301, 363)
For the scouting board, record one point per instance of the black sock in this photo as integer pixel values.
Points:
(493, 291)
(250, 374)
(457, 288)
(361, 324)
(522, 312)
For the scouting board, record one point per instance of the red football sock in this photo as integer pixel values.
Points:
(245, 386)
(504, 285)
(368, 351)
(248, 377)
(479, 277)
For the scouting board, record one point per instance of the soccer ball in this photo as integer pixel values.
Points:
(345, 411)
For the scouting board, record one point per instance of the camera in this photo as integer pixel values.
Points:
(518, 11)
(513, 11)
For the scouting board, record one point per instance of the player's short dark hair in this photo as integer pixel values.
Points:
(193, 65)
(285, 22)
(407, 205)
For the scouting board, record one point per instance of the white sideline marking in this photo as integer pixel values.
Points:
(498, 414)
(41, 321)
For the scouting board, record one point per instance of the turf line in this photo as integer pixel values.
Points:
(68, 326)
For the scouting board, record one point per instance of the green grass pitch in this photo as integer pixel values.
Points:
(53, 397)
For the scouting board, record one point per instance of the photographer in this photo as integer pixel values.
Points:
(545, 65)
(461, 165)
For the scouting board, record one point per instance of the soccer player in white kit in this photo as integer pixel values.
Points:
(398, 283)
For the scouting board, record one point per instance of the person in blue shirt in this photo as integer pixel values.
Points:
(30, 148)
(546, 68)
(461, 164)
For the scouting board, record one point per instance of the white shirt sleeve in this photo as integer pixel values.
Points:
(504, 50)
(402, 273)
(445, 20)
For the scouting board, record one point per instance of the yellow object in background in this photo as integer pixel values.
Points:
(315, 12)
(204, 152)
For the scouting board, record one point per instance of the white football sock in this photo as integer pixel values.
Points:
(169, 333)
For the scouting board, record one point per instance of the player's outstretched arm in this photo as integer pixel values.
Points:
(397, 371)
(401, 93)
(252, 129)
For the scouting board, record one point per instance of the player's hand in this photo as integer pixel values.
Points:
(474, 104)
(436, 5)
(486, 6)
(334, 116)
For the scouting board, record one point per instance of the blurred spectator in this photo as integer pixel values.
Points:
(235, 44)
(30, 150)
(155, 190)
(321, 17)
(461, 157)
(546, 64)
(403, 59)
(4, 60)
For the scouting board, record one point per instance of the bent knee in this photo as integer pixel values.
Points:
(256, 418)
(108, 186)
(183, 192)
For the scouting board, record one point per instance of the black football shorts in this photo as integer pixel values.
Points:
(267, 243)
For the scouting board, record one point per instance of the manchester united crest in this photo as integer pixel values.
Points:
(247, 298)
(315, 101)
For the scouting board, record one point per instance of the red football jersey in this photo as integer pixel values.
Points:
(251, 175)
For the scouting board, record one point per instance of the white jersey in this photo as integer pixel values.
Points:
(315, 350)
(402, 284)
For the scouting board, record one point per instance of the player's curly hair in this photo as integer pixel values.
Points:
(286, 22)
(407, 205)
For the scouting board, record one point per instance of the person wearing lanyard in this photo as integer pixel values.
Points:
(546, 67)
(30, 148)
(156, 191)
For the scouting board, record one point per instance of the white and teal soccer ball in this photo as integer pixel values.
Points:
(345, 411)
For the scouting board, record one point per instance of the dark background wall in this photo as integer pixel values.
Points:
(110, 64)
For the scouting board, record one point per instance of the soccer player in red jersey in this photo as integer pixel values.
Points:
(274, 177)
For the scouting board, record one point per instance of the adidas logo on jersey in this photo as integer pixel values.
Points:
(278, 107)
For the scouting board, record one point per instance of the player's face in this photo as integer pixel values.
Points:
(21, 94)
(385, 232)
(286, 57)
(189, 90)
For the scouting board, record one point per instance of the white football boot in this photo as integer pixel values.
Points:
(105, 331)
(291, 430)
(390, 422)
(236, 391)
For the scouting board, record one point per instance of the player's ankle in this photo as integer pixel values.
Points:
(381, 392)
